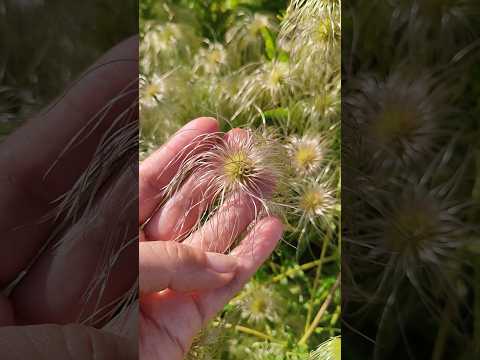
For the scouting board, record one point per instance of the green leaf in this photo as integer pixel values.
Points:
(277, 113)
(270, 47)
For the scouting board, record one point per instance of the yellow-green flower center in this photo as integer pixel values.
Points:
(237, 166)
(395, 124)
(152, 90)
(306, 157)
(258, 306)
(215, 56)
(411, 228)
(312, 200)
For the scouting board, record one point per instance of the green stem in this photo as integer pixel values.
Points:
(259, 334)
(315, 282)
(320, 312)
(303, 267)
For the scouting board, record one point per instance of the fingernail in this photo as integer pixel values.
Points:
(221, 263)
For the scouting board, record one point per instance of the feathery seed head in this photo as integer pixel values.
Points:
(259, 304)
(242, 165)
(316, 200)
(313, 201)
(245, 36)
(268, 86)
(152, 91)
(307, 153)
(401, 119)
(210, 60)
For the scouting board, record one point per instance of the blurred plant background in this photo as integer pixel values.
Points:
(410, 161)
(261, 64)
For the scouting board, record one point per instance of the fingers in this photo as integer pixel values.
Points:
(125, 323)
(64, 342)
(225, 226)
(251, 253)
(158, 169)
(180, 213)
(175, 317)
(180, 267)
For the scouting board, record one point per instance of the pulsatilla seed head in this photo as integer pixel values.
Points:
(237, 167)
(307, 153)
(241, 166)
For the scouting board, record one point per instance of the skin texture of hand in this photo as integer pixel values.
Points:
(52, 289)
(183, 285)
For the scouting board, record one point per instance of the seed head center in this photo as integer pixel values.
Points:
(238, 166)
(258, 306)
(152, 90)
(306, 156)
(311, 201)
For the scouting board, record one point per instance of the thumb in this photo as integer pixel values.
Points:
(64, 342)
(168, 264)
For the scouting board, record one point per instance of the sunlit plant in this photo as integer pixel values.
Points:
(273, 79)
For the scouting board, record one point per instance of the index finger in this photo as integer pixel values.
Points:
(159, 168)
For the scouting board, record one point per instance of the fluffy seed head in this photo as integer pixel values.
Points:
(242, 165)
(313, 201)
(306, 153)
(152, 91)
(401, 119)
(259, 304)
(268, 86)
(210, 60)
(316, 200)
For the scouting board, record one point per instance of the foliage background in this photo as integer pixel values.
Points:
(258, 64)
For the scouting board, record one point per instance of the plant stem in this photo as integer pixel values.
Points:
(315, 281)
(320, 312)
(259, 334)
(306, 266)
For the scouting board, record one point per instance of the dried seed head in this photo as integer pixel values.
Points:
(210, 60)
(307, 153)
(316, 201)
(243, 165)
(152, 91)
(259, 303)
(400, 119)
(268, 86)
(237, 167)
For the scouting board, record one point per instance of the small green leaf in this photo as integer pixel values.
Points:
(277, 113)
(270, 47)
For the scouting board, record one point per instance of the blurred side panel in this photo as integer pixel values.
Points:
(68, 175)
(411, 179)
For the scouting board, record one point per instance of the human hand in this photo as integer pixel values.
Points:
(183, 285)
(40, 162)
